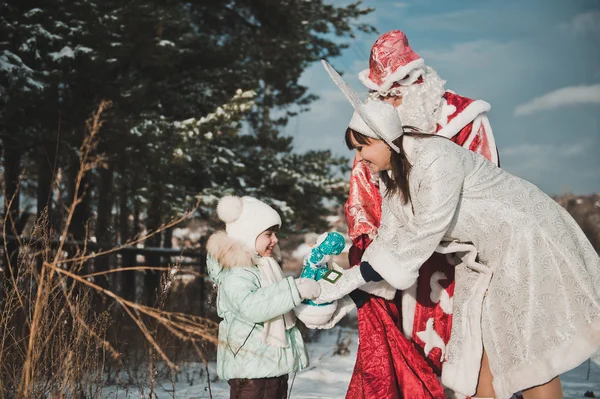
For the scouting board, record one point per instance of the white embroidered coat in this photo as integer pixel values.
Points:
(532, 297)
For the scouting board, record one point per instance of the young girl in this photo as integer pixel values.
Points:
(526, 302)
(259, 344)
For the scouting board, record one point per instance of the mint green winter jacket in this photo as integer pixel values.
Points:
(244, 305)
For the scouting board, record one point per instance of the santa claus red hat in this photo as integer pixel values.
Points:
(392, 60)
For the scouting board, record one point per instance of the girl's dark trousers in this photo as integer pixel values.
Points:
(259, 388)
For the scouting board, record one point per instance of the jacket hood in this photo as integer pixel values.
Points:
(225, 253)
(228, 252)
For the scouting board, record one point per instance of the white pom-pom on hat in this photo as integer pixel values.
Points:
(230, 208)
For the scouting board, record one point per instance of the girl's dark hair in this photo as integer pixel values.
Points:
(401, 167)
(274, 228)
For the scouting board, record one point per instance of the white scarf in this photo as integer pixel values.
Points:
(274, 330)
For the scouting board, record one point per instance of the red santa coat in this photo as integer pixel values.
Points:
(389, 364)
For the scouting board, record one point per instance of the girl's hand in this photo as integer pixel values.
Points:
(308, 288)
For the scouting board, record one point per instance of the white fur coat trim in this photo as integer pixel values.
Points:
(409, 305)
(461, 120)
(462, 376)
(491, 141)
(409, 295)
(228, 252)
(381, 289)
(474, 130)
(384, 263)
(480, 121)
(567, 356)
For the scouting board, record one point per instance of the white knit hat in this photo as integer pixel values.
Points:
(246, 218)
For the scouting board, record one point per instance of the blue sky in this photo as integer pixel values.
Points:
(537, 62)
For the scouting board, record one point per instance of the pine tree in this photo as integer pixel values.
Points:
(224, 72)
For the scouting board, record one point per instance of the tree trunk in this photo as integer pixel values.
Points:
(154, 220)
(136, 231)
(46, 171)
(103, 223)
(264, 133)
(12, 171)
(81, 215)
(168, 241)
(128, 286)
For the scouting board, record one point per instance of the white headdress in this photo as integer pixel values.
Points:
(375, 119)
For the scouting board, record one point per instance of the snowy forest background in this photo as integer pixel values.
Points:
(121, 124)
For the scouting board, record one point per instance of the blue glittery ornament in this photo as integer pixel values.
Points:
(315, 263)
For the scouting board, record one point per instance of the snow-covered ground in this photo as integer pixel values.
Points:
(327, 377)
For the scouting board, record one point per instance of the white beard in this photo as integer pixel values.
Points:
(421, 103)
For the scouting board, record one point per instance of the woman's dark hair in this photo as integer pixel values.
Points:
(401, 167)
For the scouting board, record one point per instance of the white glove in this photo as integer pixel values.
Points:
(308, 288)
(344, 306)
(335, 266)
(350, 280)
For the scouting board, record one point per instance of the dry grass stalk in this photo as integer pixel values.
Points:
(52, 342)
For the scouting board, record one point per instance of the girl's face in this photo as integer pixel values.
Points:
(375, 154)
(265, 242)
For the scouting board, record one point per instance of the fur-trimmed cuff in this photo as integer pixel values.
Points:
(409, 305)
(385, 264)
(381, 289)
